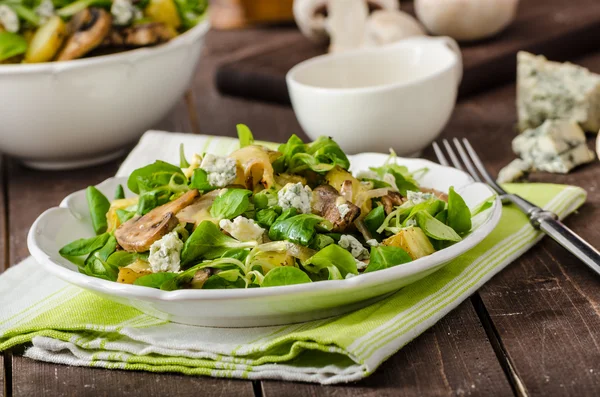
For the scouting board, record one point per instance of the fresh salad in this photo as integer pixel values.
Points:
(33, 31)
(262, 218)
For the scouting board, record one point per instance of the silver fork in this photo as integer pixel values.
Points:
(545, 221)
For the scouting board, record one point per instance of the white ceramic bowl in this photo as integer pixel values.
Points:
(400, 95)
(257, 306)
(75, 113)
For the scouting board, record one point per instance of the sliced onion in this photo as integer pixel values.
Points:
(362, 197)
(295, 250)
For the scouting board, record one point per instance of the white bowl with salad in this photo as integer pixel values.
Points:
(261, 236)
(81, 80)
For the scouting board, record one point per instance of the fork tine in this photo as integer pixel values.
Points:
(479, 164)
(467, 160)
(440, 155)
(452, 155)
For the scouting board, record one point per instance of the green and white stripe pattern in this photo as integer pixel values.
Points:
(70, 326)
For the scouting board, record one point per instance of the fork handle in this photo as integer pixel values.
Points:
(571, 241)
(549, 223)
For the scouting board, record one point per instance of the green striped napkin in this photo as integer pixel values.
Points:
(68, 325)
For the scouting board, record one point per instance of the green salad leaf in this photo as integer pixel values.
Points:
(231, 203)
(119, 192)
(434, 228)
(297, 229)
(191, 11)
(375, 218)
(285, 275)
(183, 163)
(208, 242)
(84, 246)
(245, 135)
(11, 44)
(155, 280)
(332, 255)
(459, 215)
(98, 205)
(384, 257)
(124, 215)
(266, 217)
(319, 156)
(227, 279)
(484, 205)
(200, 181)
(157, 174)
(123, 258)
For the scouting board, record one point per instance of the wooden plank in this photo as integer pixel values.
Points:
(34, 378)
(556, 28)
(453, 357)
(546, 306)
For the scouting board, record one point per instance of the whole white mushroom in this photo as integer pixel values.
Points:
(342, 22)
(466, 20)
(388, 26)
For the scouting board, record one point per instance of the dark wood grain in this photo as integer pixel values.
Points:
(560, 29)
(34, 378)
(452, 358)
(545, 307)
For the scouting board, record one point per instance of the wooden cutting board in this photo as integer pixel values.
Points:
(559, 29)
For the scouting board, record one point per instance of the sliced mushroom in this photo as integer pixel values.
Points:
(200, 278)
(441, 195)
(391, 200)
(138, 234)
(89, 28)
(199, 209)
(140, 35)
(327, 202)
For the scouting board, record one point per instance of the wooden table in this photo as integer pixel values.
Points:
(532, 330)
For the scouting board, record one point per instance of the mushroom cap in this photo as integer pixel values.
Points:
(466, 19)
(140, 35)
(388, 26)
(139, 233)
(311, 16)
(89, 27)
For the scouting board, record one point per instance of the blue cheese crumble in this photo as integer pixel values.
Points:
(295, 195)
(9, 19)
(221, 171)
(45, 11)
(124, 12)
(352, 245)
(418, 197)
(243, 229)
(165, 254)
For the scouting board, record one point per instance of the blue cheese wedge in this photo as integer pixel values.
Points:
(515, 171)
(555, 146)
(553, 90)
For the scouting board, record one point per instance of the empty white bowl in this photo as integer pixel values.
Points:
(70, 114)
(397, 96)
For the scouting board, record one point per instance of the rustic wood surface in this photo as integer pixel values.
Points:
(558, 28)
(538, 320)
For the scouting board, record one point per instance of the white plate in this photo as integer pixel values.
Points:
(257, 306)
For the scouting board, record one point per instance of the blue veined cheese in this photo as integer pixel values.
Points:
(418, 197)
(9, 19)
(45, 10)
(295, 195)
(555, 146)
(221, 171)
(553, 90)
(243, 229)
(352, 245)
(165, 254)
(124, 12)
(514, 171)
